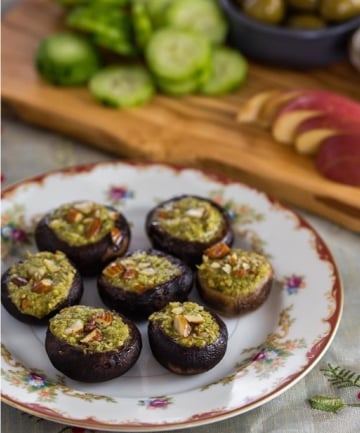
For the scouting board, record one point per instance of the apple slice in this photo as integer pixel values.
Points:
(308, 142)
(311, 132)
(285, 126)
(323, 101)
(338, 158)
(249, 111)
(273, 105)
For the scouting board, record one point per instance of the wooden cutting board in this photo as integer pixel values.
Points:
(198, 131)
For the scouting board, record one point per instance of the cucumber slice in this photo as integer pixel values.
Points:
(180, 88)
(203, 16)
(66, 59)
(109, 25)
(177, 54)
(122, 86)
(142, 25)
(157, 9)
(229, 69)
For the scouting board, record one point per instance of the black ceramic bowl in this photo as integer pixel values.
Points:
(287, 47)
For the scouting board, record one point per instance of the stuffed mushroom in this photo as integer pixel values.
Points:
(90, 234)
(36, 288)
(234, 281)
(91, 344)
(186, 338)
(144, 281)
(186, 225)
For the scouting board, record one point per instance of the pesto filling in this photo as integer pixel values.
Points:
(191, 219)
(187, 323)
(40, 282)
(82, 222)
(89, 328)
(140, 272)
(237, 273)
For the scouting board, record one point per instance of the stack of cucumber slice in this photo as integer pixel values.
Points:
(176, 47)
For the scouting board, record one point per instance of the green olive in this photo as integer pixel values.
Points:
(339, 10)
(305, 22)
(267, 11)
(304, 5)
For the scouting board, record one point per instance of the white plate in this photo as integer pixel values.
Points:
(269, 350)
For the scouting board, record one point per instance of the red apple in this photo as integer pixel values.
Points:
(311, 132)
(338, 158)
(326, 102)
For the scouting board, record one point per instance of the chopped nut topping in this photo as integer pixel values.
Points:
(197, 213)
(240, 272)
(113, 269)
(177, 310)
(51, 265)
(76, 327)
(130, 273)
(194, 318)
(217, 251)
(43, 286)
(25, 303)
(92, 227)
(105, 318)
(94, 335)
(73, 216)
(19, 281)
(116, 235)
(86, 206)
(182, 326)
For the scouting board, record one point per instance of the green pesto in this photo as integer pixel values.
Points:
(191, 219)
(76, 233)
(70, 325)
(51, 269)
(149, 272)
(238, 273)
(202, 334)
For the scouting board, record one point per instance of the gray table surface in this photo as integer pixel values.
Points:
(27, 151)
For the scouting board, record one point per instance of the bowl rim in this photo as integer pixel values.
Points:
(338, 29)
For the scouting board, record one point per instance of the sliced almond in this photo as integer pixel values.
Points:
(94, 335)
(93, 227)
(130, 273)
(43, 286)
(104, 318)
(19, 281)
(114, 269)
(217, 251)
(196, 213)
(51, 265)
(182, 326)
(194, 318)
(177, 310)
(76, 327)
(116, 235)
(73, 216)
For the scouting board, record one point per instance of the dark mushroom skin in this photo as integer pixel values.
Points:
(183, 360)
(89, 366)
(138, 305)
(73, 298)
(188, 251)
(91, 257)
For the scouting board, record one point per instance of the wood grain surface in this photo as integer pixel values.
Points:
(196, 130)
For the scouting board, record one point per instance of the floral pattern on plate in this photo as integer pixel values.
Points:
(275, 345)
